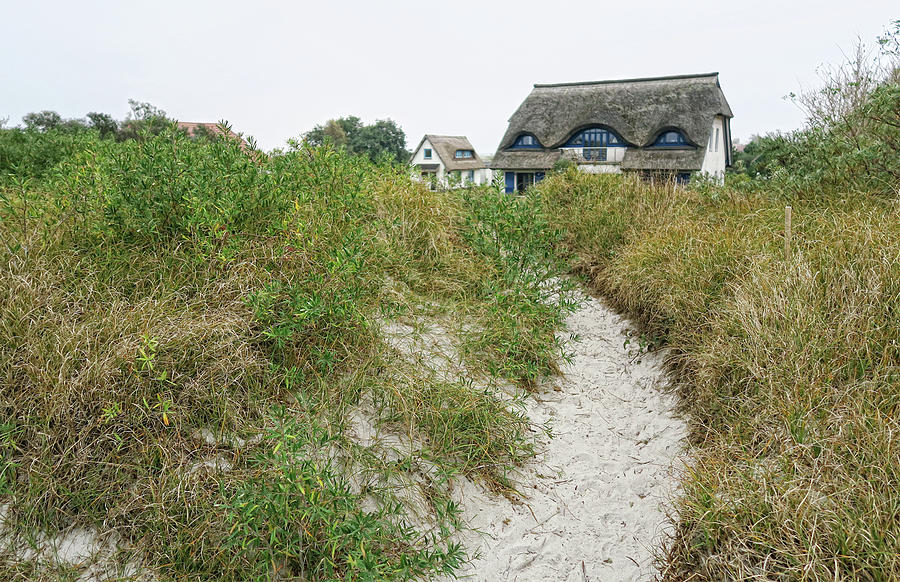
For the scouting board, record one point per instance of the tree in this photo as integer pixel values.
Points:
(764, 155)
(103, 123)
(334, 132)
(383, 140)
(143, 117)
(43, 120)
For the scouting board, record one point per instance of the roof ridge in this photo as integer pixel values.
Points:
(635, 80)
(437, 135)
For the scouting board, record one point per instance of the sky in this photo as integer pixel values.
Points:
(276, 69)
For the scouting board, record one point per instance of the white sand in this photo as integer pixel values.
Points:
(592, 506)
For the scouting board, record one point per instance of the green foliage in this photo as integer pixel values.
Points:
(516, 238)
(30, 154)
(43, 120)
(165, 188)
(294, 516)
(562, 165)
(104, 123)
(381, 141)
(171, 300)
(143, 120)
(47, 139)
(787, 367)
(765, 155)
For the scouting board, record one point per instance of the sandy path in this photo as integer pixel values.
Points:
(592, 507)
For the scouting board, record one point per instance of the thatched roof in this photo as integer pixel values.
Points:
(446, 145)
(637, 109)
(525, 159)
(663, 159)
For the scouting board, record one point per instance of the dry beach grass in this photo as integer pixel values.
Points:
(186, 331)
(206, 357)
(788, 369)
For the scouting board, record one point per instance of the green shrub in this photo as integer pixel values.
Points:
(164, 297)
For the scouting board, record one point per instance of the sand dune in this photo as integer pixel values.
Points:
(592, 502)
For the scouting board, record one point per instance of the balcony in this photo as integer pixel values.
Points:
(606, 155)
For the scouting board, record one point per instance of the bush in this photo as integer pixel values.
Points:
(169, 302)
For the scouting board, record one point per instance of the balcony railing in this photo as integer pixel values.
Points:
(594, 154)
(610, 155)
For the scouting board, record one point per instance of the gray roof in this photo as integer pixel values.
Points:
(446, 146)
(525, 159)
(663, 159)
(636, 109)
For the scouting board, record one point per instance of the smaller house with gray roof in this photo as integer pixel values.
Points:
(448, 161)
(665, 127)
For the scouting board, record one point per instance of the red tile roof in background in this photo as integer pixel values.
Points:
(190, 127)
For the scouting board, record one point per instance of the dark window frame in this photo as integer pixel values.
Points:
(526, 141)
(680, 141)
(596, 136)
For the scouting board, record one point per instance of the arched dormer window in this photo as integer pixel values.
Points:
(595, 137)
(524, 141)
(671, 138)
(464, 154)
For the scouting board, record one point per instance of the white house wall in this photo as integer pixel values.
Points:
(481, 176)
(715, 159)
(419, 158)
(484, 176)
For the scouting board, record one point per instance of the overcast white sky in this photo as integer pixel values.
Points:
(276, 69)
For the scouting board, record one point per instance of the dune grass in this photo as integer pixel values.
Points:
(187, 331)
(787, 368)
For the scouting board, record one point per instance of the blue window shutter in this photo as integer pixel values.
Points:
(538, 176)
(510, 182)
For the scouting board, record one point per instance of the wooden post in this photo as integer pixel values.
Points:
(787, 233)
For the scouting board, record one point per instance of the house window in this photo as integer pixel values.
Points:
(427, 153)
(717, 139)
(470, 177)
(595, 137)
(671, 139)
(464, 153)
(523, 181)
(526, 140)
(594, 154)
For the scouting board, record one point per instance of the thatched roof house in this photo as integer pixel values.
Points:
(676, 125)
(449, 160)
